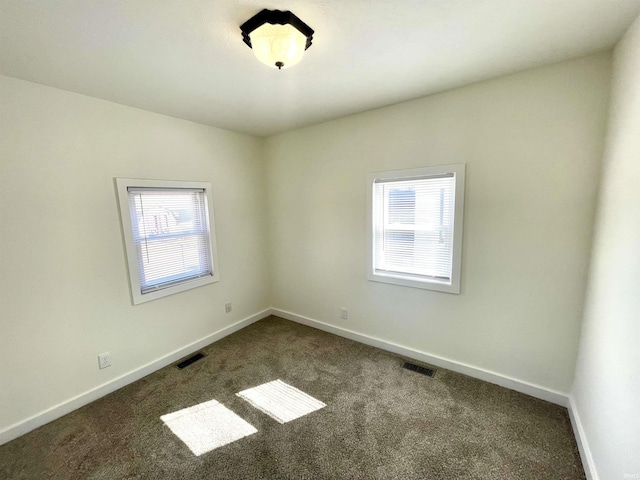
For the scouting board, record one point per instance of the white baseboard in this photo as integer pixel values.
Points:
(74, 403)
(581, 440)
(536, 391)
(57, 411)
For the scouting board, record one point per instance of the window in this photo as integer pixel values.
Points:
(169, 241)
(415, 227)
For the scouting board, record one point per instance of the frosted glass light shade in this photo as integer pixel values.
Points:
(279, 46)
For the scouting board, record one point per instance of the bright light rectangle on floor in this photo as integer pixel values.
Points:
(207, 426)
(281, 401)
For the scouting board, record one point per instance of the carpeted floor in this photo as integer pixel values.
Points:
(381, 421)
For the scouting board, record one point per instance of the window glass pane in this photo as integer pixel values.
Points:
(171, 235)
(413, 224)
(402, 205)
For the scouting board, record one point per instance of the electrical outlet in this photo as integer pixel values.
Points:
(344, 313)
(227, 307)
(104, 360)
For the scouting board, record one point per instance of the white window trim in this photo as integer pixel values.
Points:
(399, 279)
(122, 186)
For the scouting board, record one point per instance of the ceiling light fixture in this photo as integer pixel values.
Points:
(277, 38)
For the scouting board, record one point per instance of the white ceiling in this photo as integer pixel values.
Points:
(185, 58)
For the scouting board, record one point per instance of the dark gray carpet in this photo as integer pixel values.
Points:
(381, 421)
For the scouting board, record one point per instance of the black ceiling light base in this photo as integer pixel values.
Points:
(275, 17)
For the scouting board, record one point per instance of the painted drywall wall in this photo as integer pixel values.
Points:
(606, 393)
(532, 143)
(65, 295)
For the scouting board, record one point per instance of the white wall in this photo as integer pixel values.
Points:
(65, 295)
(532, 143)
(606, 392)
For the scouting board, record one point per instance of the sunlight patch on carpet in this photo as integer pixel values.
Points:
(207, 426)
(281, 401)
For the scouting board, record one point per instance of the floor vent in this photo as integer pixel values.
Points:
(190, 360)
(429, 372)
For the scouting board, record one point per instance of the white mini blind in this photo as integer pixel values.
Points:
(171, 235)
(413, 222)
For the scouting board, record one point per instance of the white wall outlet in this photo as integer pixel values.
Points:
(344, 313)
(104, 360)
(227, 307)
